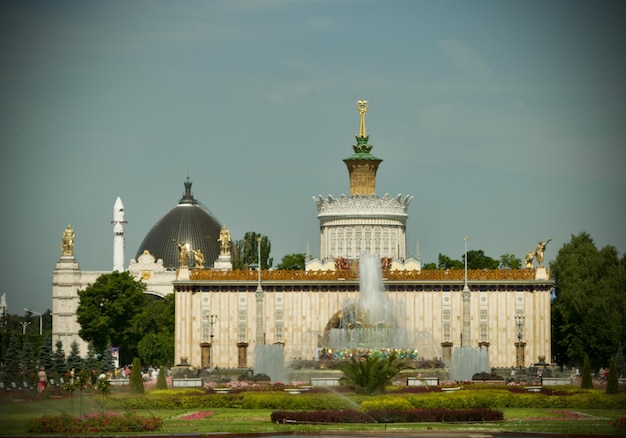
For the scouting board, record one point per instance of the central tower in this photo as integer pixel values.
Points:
(362, 223)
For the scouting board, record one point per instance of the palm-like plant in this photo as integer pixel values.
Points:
(370, 374)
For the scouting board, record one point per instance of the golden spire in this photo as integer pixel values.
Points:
(362, 105)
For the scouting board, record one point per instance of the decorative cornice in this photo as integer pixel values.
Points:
(360, 205)
(389, 275)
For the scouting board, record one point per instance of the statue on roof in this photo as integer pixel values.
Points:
(528, 259)
(198, 257)
(224, 241)
(183, 251)
(67, 241)
(541, 247)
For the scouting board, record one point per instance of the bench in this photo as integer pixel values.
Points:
(533, 389)
(119, 382)
(556, 381)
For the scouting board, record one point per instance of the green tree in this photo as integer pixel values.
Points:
(476, 259)
(157, 323)
(446, 262)
(136, 378)
(12, 363)
(74, 361)
(430, 266)
(370, 374)
(586, 379)
(44, 358)
(245, 252)
(29, 363)
(510, 261)
(612, 384)
(589, 304)
(107, 311)
(59, 366)
(161, 382)
(157, 349)
(292, 262)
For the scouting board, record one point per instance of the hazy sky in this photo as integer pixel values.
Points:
(505, 119)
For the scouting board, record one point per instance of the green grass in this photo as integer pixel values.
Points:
(14, 416)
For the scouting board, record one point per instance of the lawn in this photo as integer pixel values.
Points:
(15, 415)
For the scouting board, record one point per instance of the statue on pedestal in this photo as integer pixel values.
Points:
(199, 258)
(541, 247)
(183, 250)
(224, 240)
(528, 259)
(67, 241)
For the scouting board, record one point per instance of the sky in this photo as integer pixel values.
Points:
(504, 119)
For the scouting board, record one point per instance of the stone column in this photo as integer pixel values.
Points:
(242, 355)
(520, 353)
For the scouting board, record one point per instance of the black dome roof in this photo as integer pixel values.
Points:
(188, 222)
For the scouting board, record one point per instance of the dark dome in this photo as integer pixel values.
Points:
(188, 222)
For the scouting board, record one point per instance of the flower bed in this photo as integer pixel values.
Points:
(66, 424)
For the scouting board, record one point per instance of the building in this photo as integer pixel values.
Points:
(222, 315)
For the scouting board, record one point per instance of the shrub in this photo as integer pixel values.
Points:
(586, 382)
(65, 424)
(342, 416)
(612, 384)
(161, 382)
(136, 379)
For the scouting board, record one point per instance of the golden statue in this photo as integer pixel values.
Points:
(541, 247)
(198, 257)
(183, 251)
(67, 241)
(362, 105)
(224, 240)
(528, 259)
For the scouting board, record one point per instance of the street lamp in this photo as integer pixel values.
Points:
(519, 321)
(40, 319)
(24, 325)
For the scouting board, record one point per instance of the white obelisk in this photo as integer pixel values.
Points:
(118, 235)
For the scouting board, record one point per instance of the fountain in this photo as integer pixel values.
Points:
(371, 322)
(467, 361)
(269, 360)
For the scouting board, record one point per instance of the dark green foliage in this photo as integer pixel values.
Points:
(74, 361)
(586, 379)
(157, 323)
(476, 259)
(91, 362)
(136, 379)
(44, 358)
(59, 366)
(28, 363)
(106, 362)
(161, 382)
(292, 262)
(12, 364)
(245, 252)
(590, 303)
(107, 311)
(446, 262)
(612, 384)
(370, 374)
(509, 261)
(620, 362)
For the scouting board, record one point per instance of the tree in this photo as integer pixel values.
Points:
(74, 361)
(476, 259)
(446, 262)
(44, 358)
(12, 364)
(161, 382)
(370, 374)
(292, 262)
(136, 378)
(612, 384)
(157, 323)
(430, 266)
(157, 349)
(586, 380)
(107, 311)
(510, 261)
(245, 252)
(59, 366)
(589, 304)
